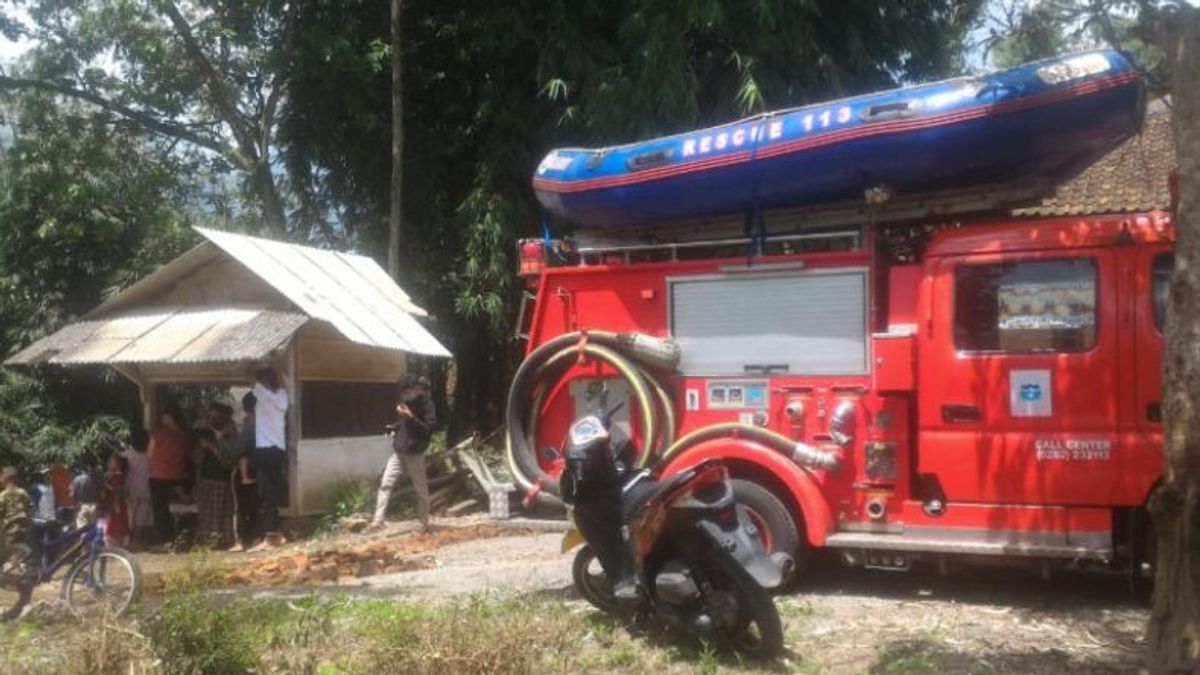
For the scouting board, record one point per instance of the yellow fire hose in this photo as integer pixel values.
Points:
(641, 361)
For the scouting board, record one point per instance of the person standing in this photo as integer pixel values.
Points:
(410, 438)
(214, 498)
(246, 526)
(168, 468)
(137, 487)
(270, 456)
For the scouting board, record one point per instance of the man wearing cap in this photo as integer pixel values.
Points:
(410, 437)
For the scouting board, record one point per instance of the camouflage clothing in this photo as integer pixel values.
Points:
(14, 515)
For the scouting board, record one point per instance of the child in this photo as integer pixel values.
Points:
(117, 531)
(245, 493)
(85, 494)
(14, 510)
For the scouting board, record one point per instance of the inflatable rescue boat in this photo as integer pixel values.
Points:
(1044, 121)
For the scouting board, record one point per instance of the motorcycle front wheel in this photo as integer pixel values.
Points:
(591, 581)
(757, 631)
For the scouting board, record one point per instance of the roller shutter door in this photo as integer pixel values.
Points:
(807, 323)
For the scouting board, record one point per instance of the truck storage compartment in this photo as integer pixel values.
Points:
(894, 363)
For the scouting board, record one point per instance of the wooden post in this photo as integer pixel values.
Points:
(147, 393)
(291, 380)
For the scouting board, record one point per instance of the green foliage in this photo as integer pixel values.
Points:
(197, 79)
(1031, 34)
(346, 498)
(193, 634)
(33, 437)
(82, 212)
(1026, 30)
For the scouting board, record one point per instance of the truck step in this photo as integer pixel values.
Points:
(966, 545)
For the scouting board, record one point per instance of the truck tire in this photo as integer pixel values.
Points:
(776, 524)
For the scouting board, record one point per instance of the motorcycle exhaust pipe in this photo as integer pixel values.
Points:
(786, 563)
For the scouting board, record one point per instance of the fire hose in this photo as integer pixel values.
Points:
(643, 362)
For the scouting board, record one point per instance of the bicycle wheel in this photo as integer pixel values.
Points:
(18, 575)
(109, 583)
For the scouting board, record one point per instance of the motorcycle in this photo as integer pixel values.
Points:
(697, 560)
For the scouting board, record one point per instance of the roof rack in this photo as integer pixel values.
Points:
(671, 249)
(801, 223)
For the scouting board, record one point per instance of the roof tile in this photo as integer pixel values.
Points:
(1132, 178)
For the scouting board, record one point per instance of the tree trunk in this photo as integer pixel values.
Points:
(274, 217)
(1174, 630)
(394, 213)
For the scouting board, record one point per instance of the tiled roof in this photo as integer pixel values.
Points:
(1132, 178)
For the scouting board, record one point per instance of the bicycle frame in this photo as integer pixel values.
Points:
(88, 540)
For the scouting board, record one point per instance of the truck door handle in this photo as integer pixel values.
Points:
(958, 413)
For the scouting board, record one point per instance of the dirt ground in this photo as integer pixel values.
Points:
(838, 620)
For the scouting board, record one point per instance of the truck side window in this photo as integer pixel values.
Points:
(1160, 280)
(1026, 306)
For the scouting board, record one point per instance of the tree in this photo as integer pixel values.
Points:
(1174, 633)
(395, 212)
(199, 75)
(85, 208)
(1164, 37)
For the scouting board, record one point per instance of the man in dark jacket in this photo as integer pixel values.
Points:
(410, 437)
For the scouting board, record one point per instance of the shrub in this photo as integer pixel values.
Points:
(192, 635)
(346, 498)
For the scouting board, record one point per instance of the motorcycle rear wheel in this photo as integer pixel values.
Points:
(591, 581)
(757, 632)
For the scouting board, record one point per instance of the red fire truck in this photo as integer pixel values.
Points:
(987, 390)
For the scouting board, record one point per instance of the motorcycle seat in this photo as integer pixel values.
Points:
(640, 493)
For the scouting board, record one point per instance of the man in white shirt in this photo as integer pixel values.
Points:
(270, 454)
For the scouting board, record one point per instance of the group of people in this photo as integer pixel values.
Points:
(237, 476)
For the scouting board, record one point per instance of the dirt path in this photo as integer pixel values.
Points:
(847, 621)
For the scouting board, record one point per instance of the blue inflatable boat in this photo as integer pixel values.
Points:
(1045, 120)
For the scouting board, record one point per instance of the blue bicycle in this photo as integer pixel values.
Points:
(98, 578)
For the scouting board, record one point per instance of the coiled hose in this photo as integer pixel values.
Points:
(546, 365)
(641, 361)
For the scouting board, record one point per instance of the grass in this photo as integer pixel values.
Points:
(195, 630)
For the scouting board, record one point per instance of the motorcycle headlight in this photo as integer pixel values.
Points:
(587, 430)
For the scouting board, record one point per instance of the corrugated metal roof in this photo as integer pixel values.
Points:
(180, 335)
(349, 291)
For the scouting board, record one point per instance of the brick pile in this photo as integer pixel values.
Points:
(355, 559)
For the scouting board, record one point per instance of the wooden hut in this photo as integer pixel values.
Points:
(334, 324)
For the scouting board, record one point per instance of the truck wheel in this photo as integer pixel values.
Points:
(776, 525)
